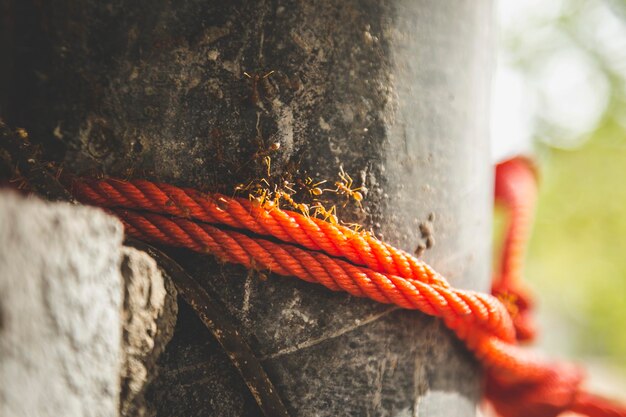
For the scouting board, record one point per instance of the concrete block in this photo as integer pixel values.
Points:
(149, 316)
(60, 307)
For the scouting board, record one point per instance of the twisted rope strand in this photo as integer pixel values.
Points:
(491, 344)
(520, 383)
(311, 233)
(318, 267)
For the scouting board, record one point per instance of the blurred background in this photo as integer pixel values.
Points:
(560, 94)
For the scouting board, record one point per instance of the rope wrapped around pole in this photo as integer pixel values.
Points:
(264, 236)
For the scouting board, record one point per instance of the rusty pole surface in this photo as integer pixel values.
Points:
(393, 92)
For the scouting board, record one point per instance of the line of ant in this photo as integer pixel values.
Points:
(268, 196)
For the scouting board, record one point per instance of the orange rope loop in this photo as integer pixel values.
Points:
(287, 243)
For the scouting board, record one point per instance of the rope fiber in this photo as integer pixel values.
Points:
(265, 237)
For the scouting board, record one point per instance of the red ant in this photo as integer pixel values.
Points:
(255, 97)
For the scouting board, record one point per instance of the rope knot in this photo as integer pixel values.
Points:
(549, 396)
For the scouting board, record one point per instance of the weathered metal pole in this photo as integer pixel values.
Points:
(198, 92)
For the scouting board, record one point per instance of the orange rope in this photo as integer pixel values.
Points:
(516, 191)
(311, 233)
(239, 231)
(458, 307)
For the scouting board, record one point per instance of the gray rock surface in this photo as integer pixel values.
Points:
(83, 319)
(60, 304)
(149, 317)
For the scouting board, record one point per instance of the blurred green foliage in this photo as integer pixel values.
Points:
(577, 255)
